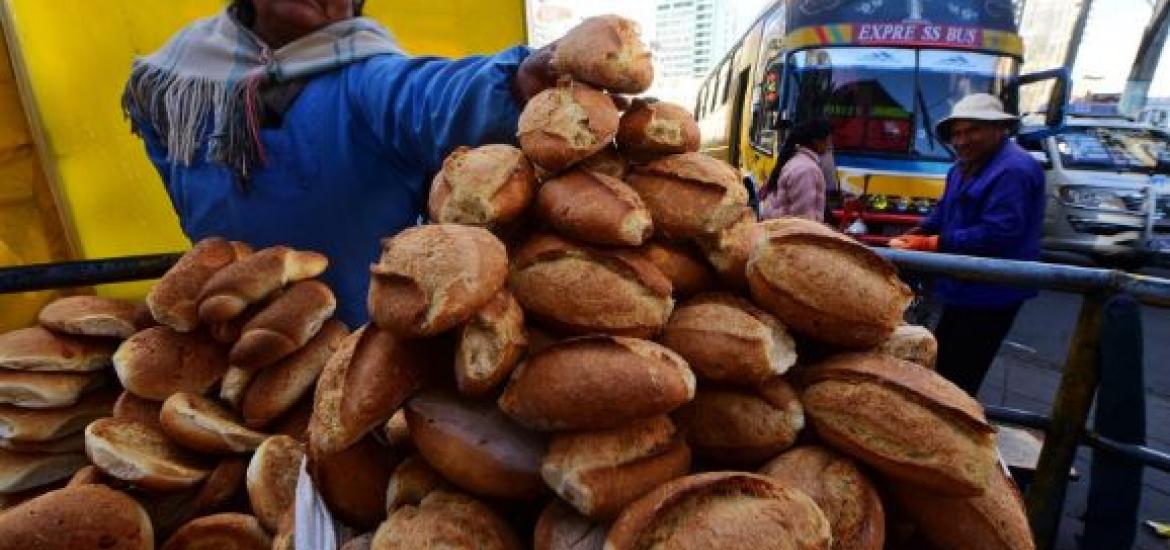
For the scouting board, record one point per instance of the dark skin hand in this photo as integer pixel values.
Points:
(536, 74)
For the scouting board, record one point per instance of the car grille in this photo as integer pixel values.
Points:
(1137, 203)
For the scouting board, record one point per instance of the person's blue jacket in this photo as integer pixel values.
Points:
(351, 162)
(997, 213)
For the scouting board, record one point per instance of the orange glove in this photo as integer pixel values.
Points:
(925, 243)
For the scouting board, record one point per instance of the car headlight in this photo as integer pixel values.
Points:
(1092, 197)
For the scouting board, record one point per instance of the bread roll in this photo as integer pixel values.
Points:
(43, 425)
(594, 208)
(445, 520)
(582, 290)
(141, 455)
(487, 186)
(251, 279)
(234, 384)
(995, 521)
(606, 51)
(38, 349)
(397, 432)
(728, 251)
(276, 389)
(228, 531)
(742, 427)
(722, 510)
(690, 194)
(827, 287)
(912, 343)
(565, 124)
(363, 383)
(87, 475)
(44, 390)
(272, 479)
(73, 518)
(23, 471)
(411, 482)
(687, 271)
(295, 422)
(202, 425)
(490, 345)
(221, 486)
(74, 443)
(562, 528)
(361, 542)
(353, 481)
(157, 362)
(848, 499)
(90, 316)
(600, 472)
(650, 129)
(607, 161)
(905, 421)
(476, 447)
(625, 379)
(432, 278)
(174, 299)
(131, 407)
(726, 339)
(284, 326)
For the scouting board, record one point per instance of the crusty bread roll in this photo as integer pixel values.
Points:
(157, 362)
(87, 475)
(361, 542)
(73, 518)
(565, 124)
(624, 379)
(445, 520)
(174, 300)
(22, 471)
(722, 510)
(38, 349)
(251, 279)
(227, 531)
(20, 424)
(488, 186)
(844, 494)
(594, 208)
(490, 345)
(74, 443)
(606, 51)
(581, 289)
(234, 384)
(726, 339)
(995, 521)
(826, 286)
(295, 422)
(222, 484)
(368, 378)
(141, 455)
(742, 427)
(690, 194)
(905, 421)
(686, 269)
(276, 389)
(432, 278)
(559, 527)
(411, 482)
(272, 479)
(90, 316)
(46, 390)
(353, 481)
(283, 326)
(650, 129)
(397, 432)
(607, 161)
(600, 472)
(475, 446)
(912, 343)
(131, 407)
(204, 426)
(728, 251)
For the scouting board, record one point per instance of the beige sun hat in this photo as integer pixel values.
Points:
(984, 107)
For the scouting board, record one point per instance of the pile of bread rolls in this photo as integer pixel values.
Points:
(593, 344)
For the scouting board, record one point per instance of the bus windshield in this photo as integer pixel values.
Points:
(887, 100)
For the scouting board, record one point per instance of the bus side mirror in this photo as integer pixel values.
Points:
(1054, 113)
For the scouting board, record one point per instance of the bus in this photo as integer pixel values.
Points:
(883, 74)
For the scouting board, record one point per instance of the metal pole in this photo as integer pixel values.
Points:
(1145, 64)
(1069, 411)
(1078, 32)
(84, 273)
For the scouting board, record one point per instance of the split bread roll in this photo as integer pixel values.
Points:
(272, 479)
(559, 527)
(202, 425)
(158, 362)
(228, 531)
(650, 129)
(580, 289)
(87, 516)
(849, 500)
(594, 208)
(141, 455)
(825, 286)
(490, 345)
(284, 325)
(722, 510)
(995, 521)
(411, 482)
(44, 390)
(174, 299)
(742, 427)
(276, 389)
(487, 186)
(601, 472)
(729, 250)
(253, 278)
(45, 425)
(432, 278)
(688, 272)
(90, 316)
(234, 384)
(353, 481)
(690, 194)
(912, 343)
(37, 349)
(566, 124)
(445, 520)
(903, 420)
(608, 52)
(23, 471)
(625, 379)
(131, 407)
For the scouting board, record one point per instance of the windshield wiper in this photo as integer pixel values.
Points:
(929, 125)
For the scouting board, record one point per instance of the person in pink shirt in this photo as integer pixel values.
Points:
(797, 184)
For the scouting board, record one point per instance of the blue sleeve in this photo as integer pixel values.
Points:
(1004, 219)
(932, 224)
(423, 107)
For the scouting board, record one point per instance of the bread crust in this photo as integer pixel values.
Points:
(743, 427)
(594, 208)
(158, 362)
(690, 194)
(445, 520)
(606, 51)
(227, 531)
(253, 278)
(995, 521)
(21, 471)
(131, 407)
(490, 345)
(174, 299)
(912, 343)
(688, 272)
(277, 388)
(41, 390)
(353, 481)
(202, 425)
(96, 516)
(559, 527)
(650, 129)
(141, 455)
(44, 425)
(272, 479)
(284, 326)
(487, 186)
(90, 316)
(36, 349)
(607, 161)
(411, 482)
(565, 124)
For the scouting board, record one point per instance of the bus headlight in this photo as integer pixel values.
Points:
(1084, 196)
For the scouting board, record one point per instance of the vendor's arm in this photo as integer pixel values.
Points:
(1002, 223)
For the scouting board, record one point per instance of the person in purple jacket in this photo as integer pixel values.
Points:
(993, 206)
